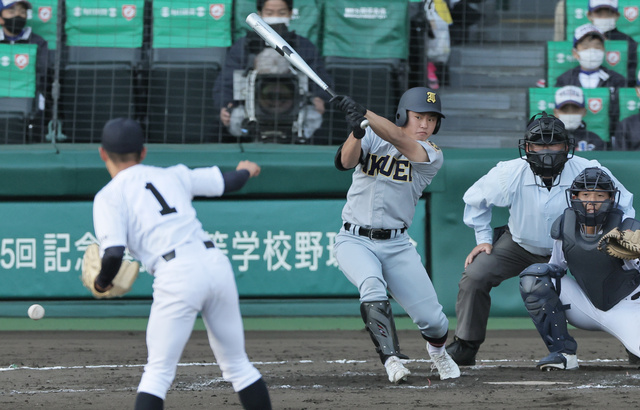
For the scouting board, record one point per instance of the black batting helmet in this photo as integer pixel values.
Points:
(545, 129)
(419, 99)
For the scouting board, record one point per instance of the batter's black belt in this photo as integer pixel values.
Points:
(170, 255)
(375, 233)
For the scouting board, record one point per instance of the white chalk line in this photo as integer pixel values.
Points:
(219, 382)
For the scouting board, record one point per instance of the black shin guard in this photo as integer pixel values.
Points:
(255, 396)
(146, 401)
(378, 319)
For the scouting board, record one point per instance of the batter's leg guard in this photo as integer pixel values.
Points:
(544, 306)
(255, 396)
(146, 401)
(379, 322)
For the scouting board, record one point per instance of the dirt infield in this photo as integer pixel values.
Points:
(311, 370)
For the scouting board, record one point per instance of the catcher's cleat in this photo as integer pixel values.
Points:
(463, 352)
(558, 361)
(633, 359)
(396, 370)
(445, 365)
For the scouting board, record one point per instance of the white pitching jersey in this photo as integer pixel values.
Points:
(385, 189)
(148, 209)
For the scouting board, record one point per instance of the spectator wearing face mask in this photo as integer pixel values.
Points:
(627, 135)
(241, 56)
(588, 49)
(604, 15)
(570, 109)
(13, 19)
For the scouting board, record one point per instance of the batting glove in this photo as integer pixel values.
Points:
(348, 105)
(355, 119)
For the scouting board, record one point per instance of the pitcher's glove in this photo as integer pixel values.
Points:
(621, 244)
(122, 282)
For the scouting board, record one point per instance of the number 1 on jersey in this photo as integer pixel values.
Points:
(166, 209)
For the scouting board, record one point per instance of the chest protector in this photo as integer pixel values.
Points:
(599, 275)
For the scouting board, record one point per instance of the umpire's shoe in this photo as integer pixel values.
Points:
(558, 361)
(463, 352)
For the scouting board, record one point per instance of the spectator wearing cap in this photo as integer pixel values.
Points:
(604, 15)
(570, 109)
(627, 135)
(588, 49)
(13, 19)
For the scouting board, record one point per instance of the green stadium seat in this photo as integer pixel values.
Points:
(17, 91)
(187, 53)
(629, 102)
(366, 45)
(596, 102)
(560, 58)
(99, 74)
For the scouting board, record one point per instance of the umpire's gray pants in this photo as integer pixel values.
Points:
(507, 259)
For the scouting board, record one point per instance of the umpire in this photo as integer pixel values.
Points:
(533, 188)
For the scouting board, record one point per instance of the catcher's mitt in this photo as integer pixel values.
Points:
(621, 244)
(91, 269)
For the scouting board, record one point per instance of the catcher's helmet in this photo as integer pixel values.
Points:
(592, 179)
(545, 129)
(419, 99)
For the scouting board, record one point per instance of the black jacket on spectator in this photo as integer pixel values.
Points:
(241, 55)
(627, 136)
(632, 53)
(615, 81)
(586, 140)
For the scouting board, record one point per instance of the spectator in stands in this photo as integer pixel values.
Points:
(570, 110)
(13, 19)
(604, 15)
(627, 135)
(588, 49)
(241, 56)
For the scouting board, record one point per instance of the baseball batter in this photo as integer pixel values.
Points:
(604, 292)
(149, 211)
(393, 164)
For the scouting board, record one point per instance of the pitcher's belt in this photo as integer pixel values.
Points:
(170, 255)
(374, 233)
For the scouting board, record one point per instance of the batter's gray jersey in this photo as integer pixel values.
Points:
(381, 186)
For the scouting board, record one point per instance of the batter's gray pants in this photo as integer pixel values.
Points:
(507, 259)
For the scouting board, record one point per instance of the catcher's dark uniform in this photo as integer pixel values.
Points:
(604, 292)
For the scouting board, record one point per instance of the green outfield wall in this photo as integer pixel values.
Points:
(278, 231)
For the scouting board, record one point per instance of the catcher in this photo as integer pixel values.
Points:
(601, 249)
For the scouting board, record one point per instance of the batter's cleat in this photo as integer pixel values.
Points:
(463, 352)
(445, 365)
(558, 361)
(396, 370)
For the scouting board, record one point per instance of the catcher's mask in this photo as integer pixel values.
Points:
(592, 180)
(544, 130)
(419, 99)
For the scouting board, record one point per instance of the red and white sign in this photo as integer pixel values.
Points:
(129, 11)
(613, 57)
(21, 60)
(595, 105)
(631, 13)
(216, 11)
(45, 13)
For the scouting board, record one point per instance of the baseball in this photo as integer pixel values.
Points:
(36, 312)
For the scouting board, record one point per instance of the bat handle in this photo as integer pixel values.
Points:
(364, 124)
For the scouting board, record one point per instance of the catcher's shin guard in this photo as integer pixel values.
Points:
(379, 322)
(546, 310)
